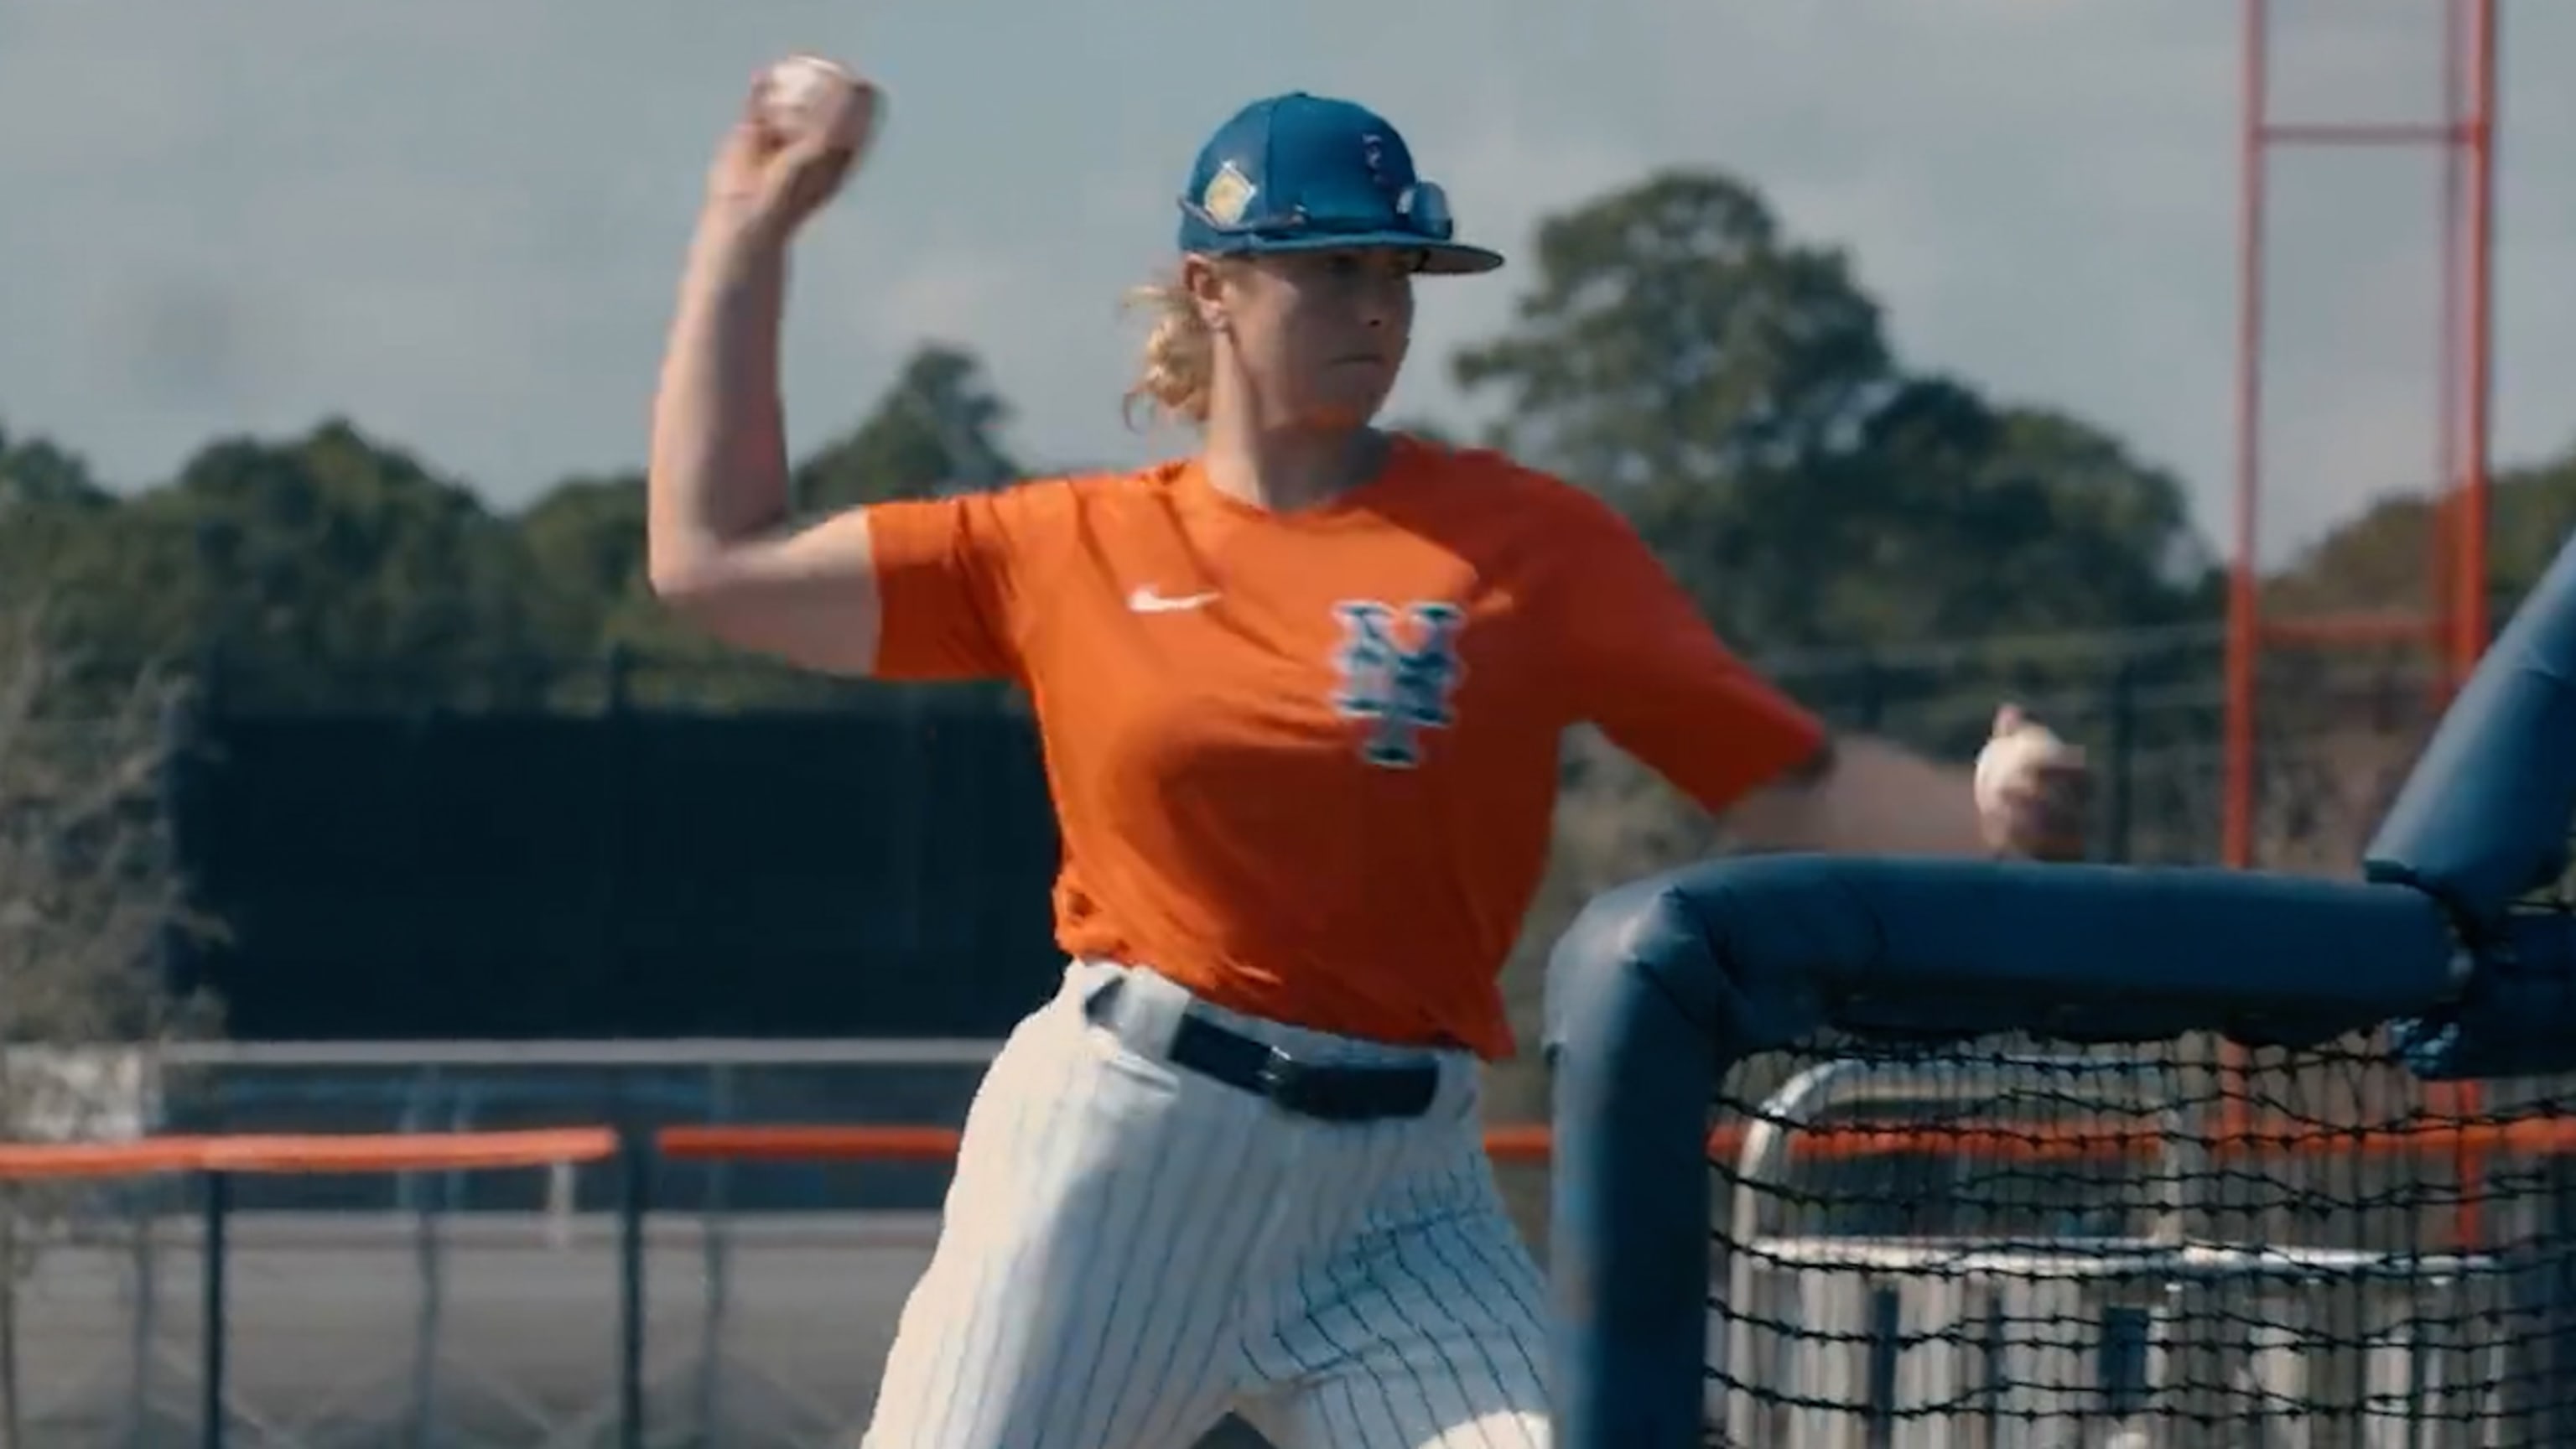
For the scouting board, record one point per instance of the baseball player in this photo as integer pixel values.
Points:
(1300, 696)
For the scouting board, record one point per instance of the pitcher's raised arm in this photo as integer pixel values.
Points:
(722, 552)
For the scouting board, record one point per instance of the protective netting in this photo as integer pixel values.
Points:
(2063, 1247)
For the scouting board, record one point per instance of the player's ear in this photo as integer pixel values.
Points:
(1203, 282)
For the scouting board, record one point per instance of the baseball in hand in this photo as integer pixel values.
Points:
(2029, 787)
(807, 97)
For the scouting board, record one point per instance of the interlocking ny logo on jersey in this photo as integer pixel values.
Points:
(1401, 681)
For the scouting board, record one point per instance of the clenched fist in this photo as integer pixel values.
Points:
(2034, 790)
(804, 128)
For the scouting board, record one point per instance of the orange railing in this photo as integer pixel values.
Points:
(219, 1159)
(315, 1154)
(307, 1155)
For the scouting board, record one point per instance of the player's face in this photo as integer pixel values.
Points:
(1322, 335)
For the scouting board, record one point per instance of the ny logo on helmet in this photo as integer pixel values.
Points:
(1373, 151)
(1401, 685)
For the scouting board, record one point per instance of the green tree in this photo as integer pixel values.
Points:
(2340, 726)
(1731, 388)
(936, 430)
(326, 570)
(36, 472)
(50, 504)
(1674, 336)
(2381, 561)
(1948, 518)
(585, 540)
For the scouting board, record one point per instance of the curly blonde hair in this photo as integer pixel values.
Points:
(1179, 364)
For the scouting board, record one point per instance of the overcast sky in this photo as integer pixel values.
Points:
(459, 222)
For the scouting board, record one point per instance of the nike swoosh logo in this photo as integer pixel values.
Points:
(1147, 601)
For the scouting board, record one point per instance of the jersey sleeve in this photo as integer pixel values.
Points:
(1643, 665)
(951, 575)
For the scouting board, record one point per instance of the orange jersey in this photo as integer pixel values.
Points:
(1306, 763)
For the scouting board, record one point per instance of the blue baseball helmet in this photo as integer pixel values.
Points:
(1297, 173)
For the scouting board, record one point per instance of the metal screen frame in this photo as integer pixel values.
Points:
(2167, 1283)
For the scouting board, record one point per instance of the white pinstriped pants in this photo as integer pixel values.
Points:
(1131, 1250)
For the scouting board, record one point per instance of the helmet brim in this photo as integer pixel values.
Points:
(1439, 258)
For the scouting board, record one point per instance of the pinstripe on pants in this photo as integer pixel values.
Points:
(1131, 1250)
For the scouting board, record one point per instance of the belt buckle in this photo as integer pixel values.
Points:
(1277, 1073)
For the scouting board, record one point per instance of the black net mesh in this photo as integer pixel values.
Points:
(2063, 1247)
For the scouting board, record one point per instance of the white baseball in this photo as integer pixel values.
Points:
(2011, 759)
(805, 91)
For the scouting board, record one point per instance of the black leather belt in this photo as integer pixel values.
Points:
(1327, 1093)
